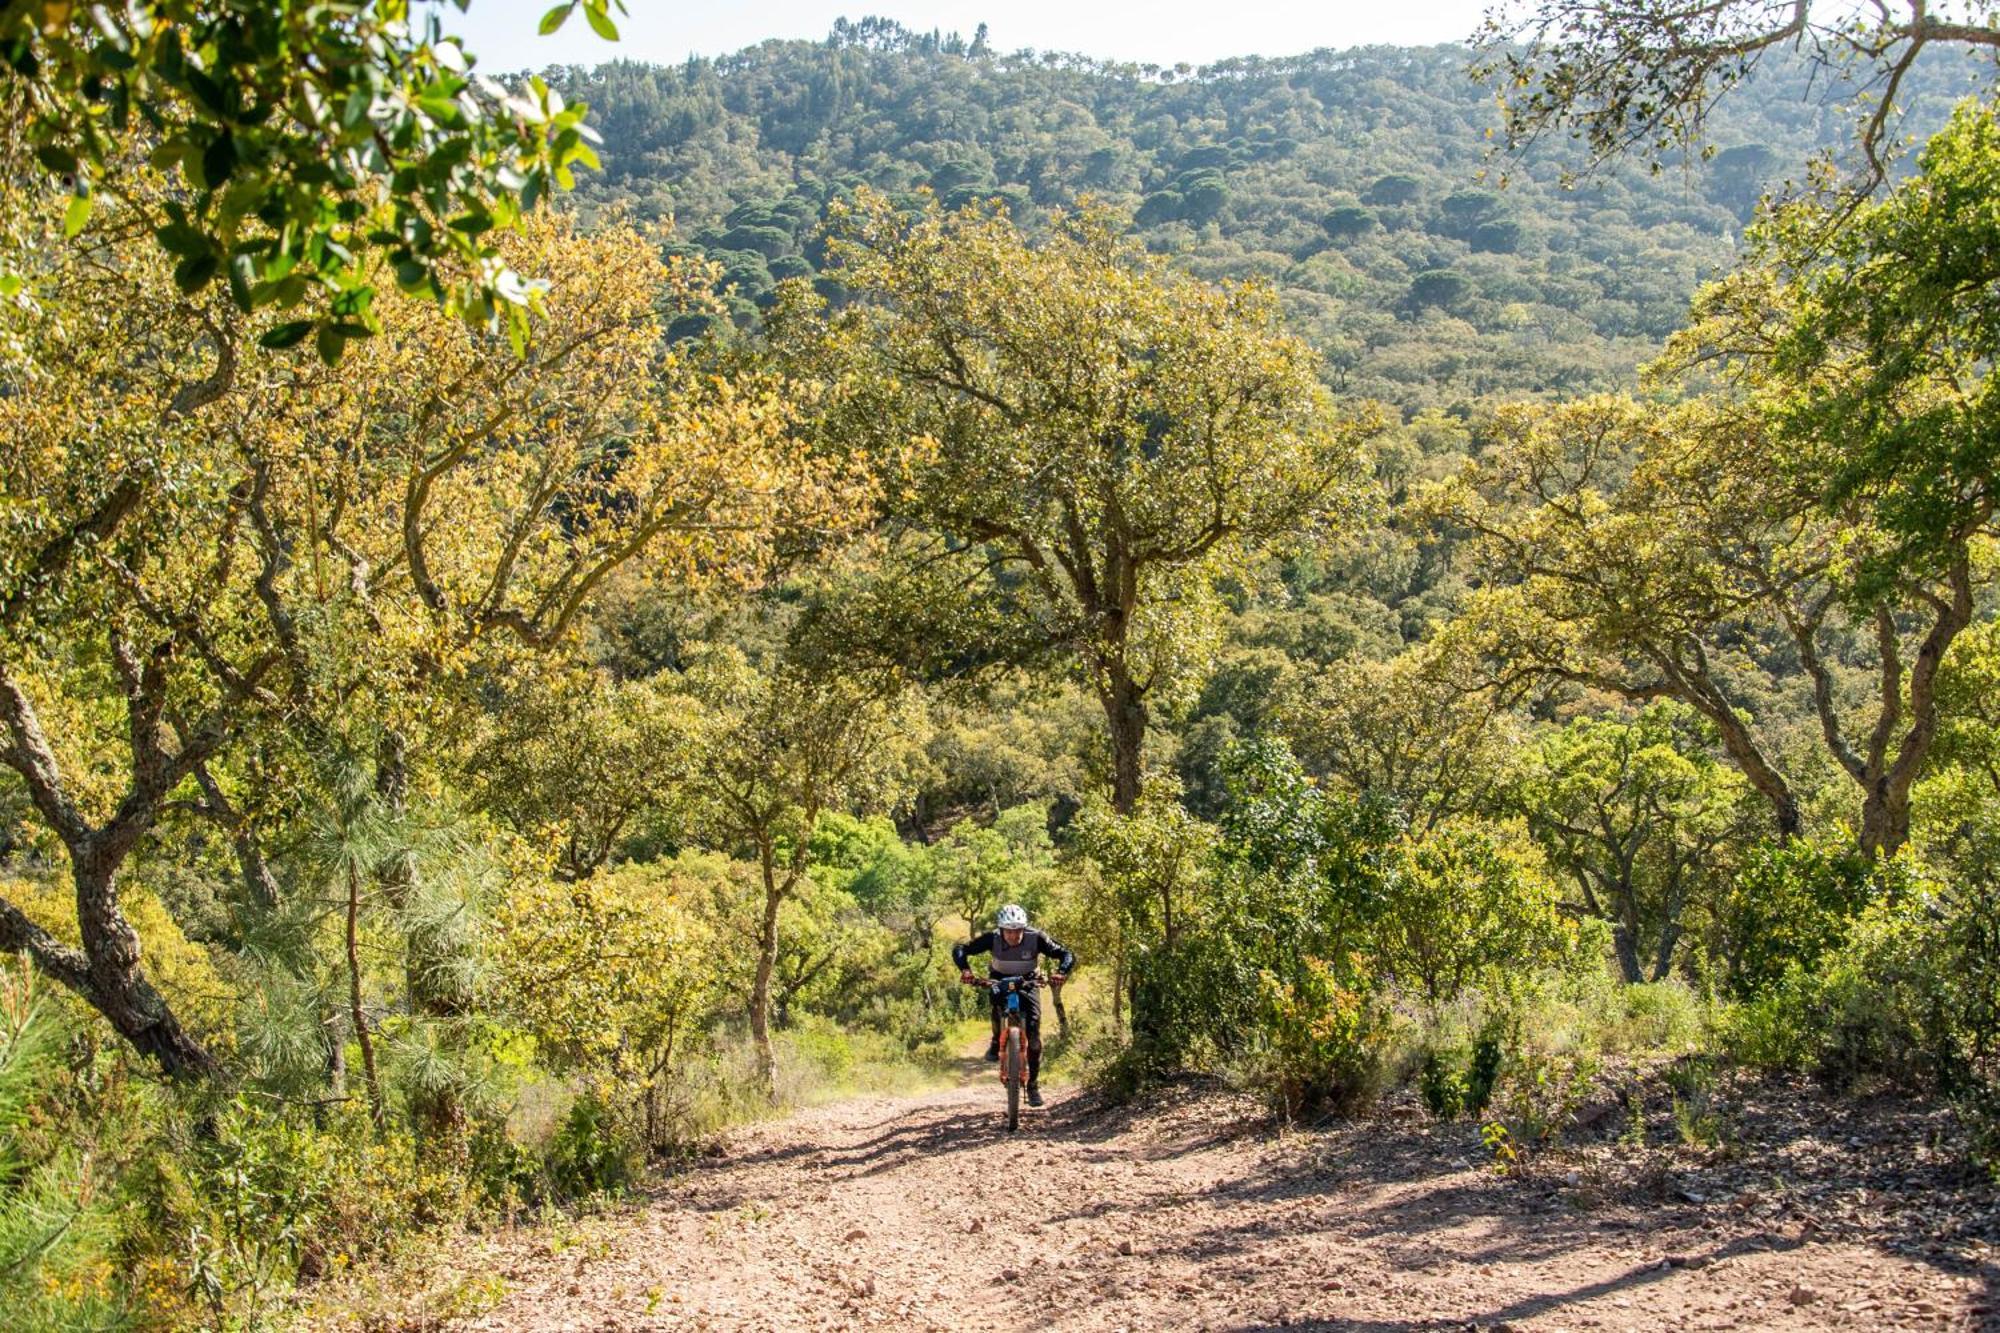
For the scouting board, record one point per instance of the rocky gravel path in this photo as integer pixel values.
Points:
(1193, 1213)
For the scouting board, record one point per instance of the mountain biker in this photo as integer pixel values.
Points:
(1017, 949)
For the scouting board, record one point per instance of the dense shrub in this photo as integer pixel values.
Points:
(1537, 1094)
(1482, 1072)
(263, 1196)
(1325, 1039)
(1466, 907)
(1792, 902)
(593, 1153)
(1440, 1085)
(612, 979)
(1453, 1081)
(1909, 993)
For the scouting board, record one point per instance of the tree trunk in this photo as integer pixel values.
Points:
(760, 990)
(1625, 940)
(334, 1033)
(1663, 957)
(1125, 711)
(116, 986)
(1886, 812)
(1118, 993)
(258, 881)
(1885, 819)
(1764, 778)
(105, 972)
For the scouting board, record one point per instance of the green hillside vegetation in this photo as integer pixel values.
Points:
(1359, 183)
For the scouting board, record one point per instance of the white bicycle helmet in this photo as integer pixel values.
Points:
(1013, 917)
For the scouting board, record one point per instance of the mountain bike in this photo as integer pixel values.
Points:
(1013, 1036)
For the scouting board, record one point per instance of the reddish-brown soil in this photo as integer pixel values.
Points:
(1194, 1212)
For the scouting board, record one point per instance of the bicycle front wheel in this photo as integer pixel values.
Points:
(1013, 1070)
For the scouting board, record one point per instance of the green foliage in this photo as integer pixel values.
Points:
(1465, 906)
(580, 762)
(1440, 1085)
(56, 1225)
(1155, 860)
(1698, 1117)
(1440, 287)
(977, 869)
(1903, 303)
(1501, 236)
(785, 128)
(592, 1152)
(1641, 818)
(271, 1198)
(1454, 1082)
(1152, 866)
(1648, 78)
(612, 977)
(1657, 1016)
(1841, 1020)
(1793, 902)
(1315, 904)
(1406, 730)
(1193, 1006)
(1325, 1039)
(640, 827)
(1065, 392)
(1633, 548)
(1309, 869)
(302, 147)
(1347, 222)
(1908, 994)
(1482, 1072)
(1539, 1092)
(1396, 188)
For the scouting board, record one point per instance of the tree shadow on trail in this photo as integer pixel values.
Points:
(1102, 1129)
(968, 1125)
(1985, 1319)
(1419, 1198)
(1407, 1198)
(964, 1125)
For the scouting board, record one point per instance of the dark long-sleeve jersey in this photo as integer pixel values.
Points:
(1045, 945)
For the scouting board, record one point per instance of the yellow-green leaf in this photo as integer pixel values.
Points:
(76, 215)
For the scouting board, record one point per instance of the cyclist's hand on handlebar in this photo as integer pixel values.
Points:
(967, 978)
(1058, 978)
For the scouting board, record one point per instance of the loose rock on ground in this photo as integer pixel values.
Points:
(1193, 1212)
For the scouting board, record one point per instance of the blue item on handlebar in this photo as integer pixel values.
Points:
(1012, 988)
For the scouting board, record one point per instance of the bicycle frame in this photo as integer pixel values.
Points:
(1013, 1036)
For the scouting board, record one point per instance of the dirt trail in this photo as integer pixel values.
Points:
(922, 1213)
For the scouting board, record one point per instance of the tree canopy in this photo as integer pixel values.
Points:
(304, 142)
(1647, 76)
(1106, 433)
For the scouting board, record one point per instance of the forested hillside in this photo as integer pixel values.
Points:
(1360, 183)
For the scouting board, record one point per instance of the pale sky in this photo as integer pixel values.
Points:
(502, 32)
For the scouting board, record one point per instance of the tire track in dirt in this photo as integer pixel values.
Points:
(923, 1213)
